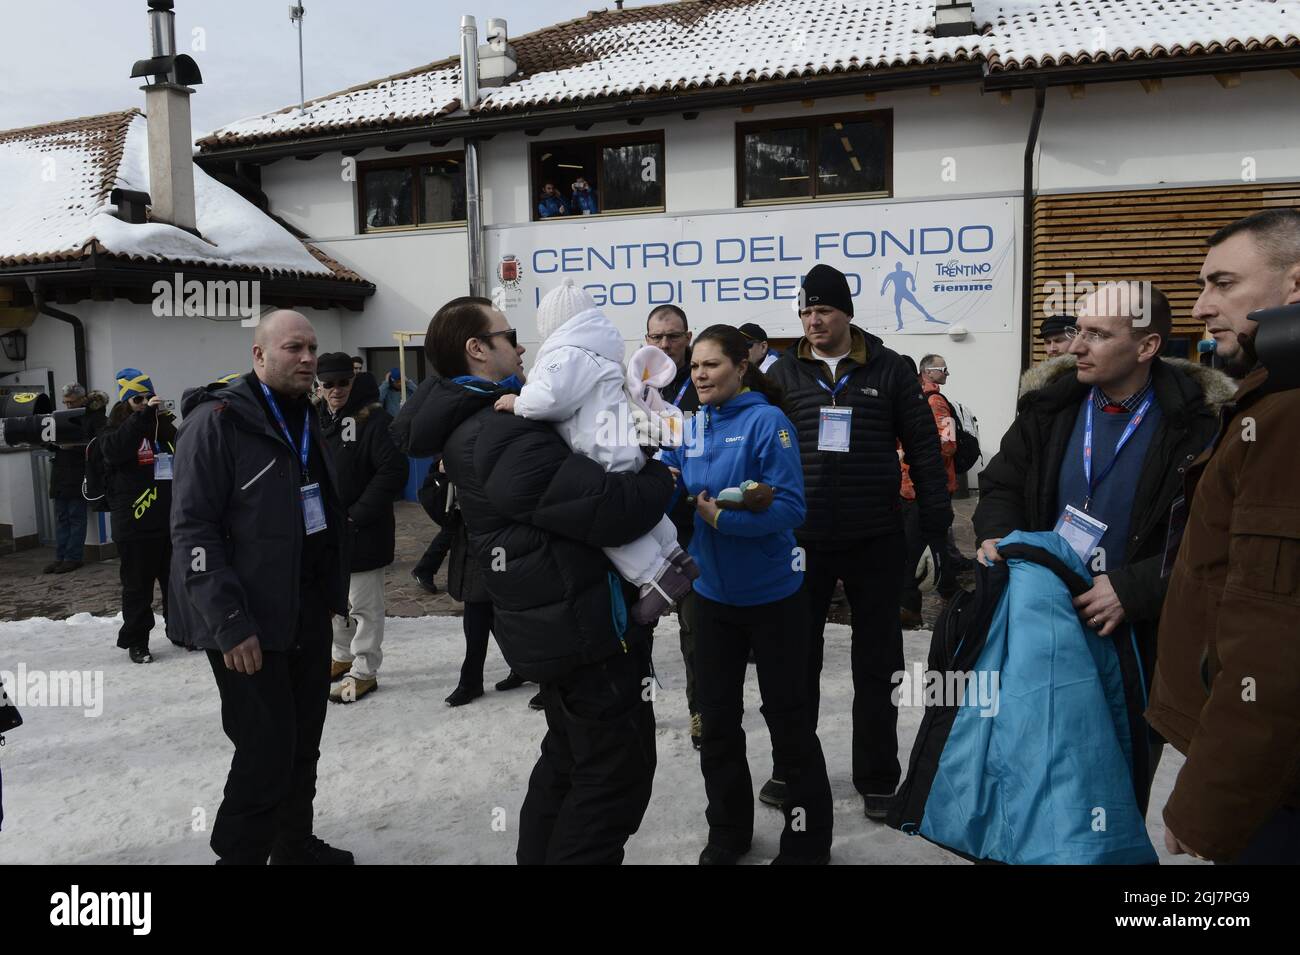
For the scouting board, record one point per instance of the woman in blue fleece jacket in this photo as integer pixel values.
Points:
(749, 596)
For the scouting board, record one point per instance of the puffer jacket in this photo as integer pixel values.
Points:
(1018, 487)
(854, 495)
(464, 578)
(538, 515)
(371, 472)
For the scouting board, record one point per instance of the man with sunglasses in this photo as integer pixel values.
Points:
(537, 515)
(371, 475)
(1097, 451)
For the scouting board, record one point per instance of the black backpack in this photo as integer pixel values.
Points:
(94, 486)
(968, 446)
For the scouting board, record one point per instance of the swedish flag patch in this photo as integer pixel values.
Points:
(784, 436)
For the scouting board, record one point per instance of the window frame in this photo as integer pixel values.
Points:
(881, 117)
(413, 162)
(612, 139)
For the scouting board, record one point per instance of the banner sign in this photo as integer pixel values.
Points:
(913, 267)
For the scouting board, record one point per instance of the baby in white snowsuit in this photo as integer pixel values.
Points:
(578, 382)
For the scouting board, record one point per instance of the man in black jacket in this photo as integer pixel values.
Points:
(537, 515)
(667, 329)
(137, 447)
(1169, 411)
(853, 401)
(371, 475)
(66, 475)
(260, 563)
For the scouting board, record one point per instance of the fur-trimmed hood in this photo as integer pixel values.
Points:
(1216, 387)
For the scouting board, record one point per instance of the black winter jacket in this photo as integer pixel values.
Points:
(371, 472)
(1018, 487)
(237, 498)
(855, 494)
(140, 504)
(69, 467)
(537, 515)
(464, 577)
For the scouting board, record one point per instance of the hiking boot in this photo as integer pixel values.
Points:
(67, 566)
(425, 583)
(876, 806)
(310, 851)
(910, 619)
(338, 670)
(464, 694)
(52, 568)
(697, 730)
(352, 688)
(140, 655)
(720, 855)
(513, 681)
(772, 794)
(658, 596)
(537, 703)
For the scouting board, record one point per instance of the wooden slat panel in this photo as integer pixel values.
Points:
(1144, 234)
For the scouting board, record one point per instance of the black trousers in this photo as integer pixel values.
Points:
(274, 717)
(686, 635)
(592, 782)
(478, 627)
(872, 584)
(142, 561)
(435, 553)
(777, 633)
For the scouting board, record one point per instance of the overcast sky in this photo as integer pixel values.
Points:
(69, 58)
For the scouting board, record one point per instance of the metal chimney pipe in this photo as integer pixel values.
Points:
(473, 206)
(162, 31)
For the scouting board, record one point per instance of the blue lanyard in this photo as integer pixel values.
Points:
(1134, 423)
(685, 384)
(284, 427)
(839, 386)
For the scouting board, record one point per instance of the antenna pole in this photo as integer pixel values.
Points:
(296, 14)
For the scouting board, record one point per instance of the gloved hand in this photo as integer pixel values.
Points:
(930, 567)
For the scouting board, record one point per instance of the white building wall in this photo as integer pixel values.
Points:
(959, 143)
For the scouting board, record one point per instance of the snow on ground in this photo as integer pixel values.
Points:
(402, 777)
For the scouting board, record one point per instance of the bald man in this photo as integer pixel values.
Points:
(1101, 439)
(259, 538)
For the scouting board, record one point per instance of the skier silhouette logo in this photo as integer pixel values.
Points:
(905, 291)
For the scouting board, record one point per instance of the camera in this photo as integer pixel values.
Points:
(29, 418)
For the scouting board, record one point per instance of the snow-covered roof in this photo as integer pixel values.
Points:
(695, 44)
(56, 182)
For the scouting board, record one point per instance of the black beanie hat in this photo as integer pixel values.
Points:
(334, 363)
(824, 285)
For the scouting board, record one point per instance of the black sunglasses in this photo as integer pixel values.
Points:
(341, 383)
(512, 336)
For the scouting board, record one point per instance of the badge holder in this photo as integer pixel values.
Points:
(1081, 531)
(834, 428)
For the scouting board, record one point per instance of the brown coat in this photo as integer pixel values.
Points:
(1227, 684)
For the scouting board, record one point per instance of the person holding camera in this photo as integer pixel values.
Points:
(137, 447)
(583, 201)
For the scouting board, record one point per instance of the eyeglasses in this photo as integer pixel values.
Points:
(135, 398)
(941, 369)
(512, 336)
(671, 337)
(1090, 336)
(342, 383)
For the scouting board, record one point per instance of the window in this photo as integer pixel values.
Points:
(822, 158)
(597, 176)
(410, 192)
